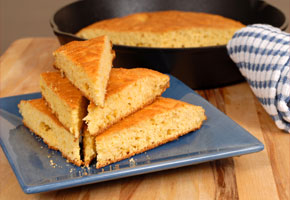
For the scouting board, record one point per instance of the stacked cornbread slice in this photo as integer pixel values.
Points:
(87, 64)
(163, 121)
(115, 112)
(58, 117)
(127, 91)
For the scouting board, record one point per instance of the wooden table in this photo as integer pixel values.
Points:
(263, 175)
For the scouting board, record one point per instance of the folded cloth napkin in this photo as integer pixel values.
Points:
(262, 54)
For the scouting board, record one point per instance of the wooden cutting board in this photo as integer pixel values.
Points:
(263, 175)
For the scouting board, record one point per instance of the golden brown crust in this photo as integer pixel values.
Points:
(76, 162)
(121, 78)
(163, 21)
(85, 54)
(63, 88)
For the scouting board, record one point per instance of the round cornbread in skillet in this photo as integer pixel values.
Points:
(165, 29)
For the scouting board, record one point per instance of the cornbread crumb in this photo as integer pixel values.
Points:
(163, 121)
(165, 29)
(52, 163)
(87, 64)
(132, 162)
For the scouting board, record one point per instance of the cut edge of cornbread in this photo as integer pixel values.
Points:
(89, 147)
(39, 119)
(64, 100)
(87, 64)
(138, 87)
(194, 37)
(163, 121)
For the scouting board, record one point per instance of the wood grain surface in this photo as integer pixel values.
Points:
(263, 175)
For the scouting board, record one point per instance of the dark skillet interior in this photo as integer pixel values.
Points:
(200, 68)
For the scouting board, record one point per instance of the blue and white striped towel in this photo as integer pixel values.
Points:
(262, 54)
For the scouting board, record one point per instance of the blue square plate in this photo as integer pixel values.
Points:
(39, 169)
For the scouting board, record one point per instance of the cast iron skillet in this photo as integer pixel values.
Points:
(199, 68)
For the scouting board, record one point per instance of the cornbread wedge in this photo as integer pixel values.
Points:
(89, 147)
(162, 121)
(128, 90)
(40, 120)
(87, 64)
(65, 101)
(165, 29)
